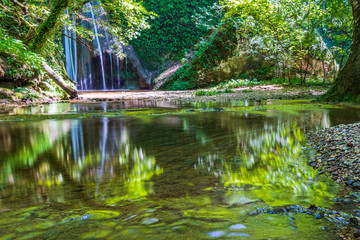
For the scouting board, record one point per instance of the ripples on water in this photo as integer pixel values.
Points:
(167, 176)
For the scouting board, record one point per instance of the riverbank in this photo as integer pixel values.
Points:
(337, 154)
(261, 92)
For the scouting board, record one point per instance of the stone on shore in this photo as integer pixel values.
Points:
(338, 153)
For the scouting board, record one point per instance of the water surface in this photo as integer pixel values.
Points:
(185, 175)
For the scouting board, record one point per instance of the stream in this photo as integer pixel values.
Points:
(162, 170)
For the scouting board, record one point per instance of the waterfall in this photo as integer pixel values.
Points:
(70, 53)
(96, 36)
(93, 63)
(118, 72)
(94, 70)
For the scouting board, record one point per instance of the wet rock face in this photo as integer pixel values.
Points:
(338, 153)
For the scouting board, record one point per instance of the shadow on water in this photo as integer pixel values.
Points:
(192, 176)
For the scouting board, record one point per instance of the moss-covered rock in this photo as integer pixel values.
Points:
(221, 58)
(5, 94)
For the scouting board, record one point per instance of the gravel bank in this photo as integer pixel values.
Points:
(261, 92)
(338, 153)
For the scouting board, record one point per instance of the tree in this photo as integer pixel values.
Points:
(47, 27)
(302, 39)
(45, 31)
(347, 84)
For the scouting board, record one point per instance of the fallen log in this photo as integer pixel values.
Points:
(60, 81)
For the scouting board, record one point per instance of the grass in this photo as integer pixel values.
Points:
(235, 83)
(207, 93)
(225, 87)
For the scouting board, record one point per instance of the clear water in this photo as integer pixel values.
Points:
(164, 175)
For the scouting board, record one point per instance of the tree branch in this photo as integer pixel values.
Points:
(25, 8)
(81, 42)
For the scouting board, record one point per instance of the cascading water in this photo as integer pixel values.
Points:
(70, 50)
(93, 67)
(96, 37)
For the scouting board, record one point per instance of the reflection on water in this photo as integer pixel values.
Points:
(68, 108)
(268, 166)
(74, 152)
(173, 173)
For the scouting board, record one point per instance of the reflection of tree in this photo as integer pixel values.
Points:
(62, 152)
(136, 180)
(268, 162)
(25, 145)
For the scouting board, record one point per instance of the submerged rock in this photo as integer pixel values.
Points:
(319, 215)
(216, 234)
(238, 226)
(149, 221)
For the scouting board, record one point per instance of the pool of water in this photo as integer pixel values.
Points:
(173, 173)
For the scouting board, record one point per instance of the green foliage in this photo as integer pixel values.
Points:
(295, 33)
(180, 24)
(25, 93)
(17, 53)
(311, 81)
(124, 20)
(337, 28)
(208, 54)
(207, 92)
(20, 90)
(294, 41)
(234, 83)
(181, 85)
(247, 90)
(214, 91)
(226, 87)
(228, 90)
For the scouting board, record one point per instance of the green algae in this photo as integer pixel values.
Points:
(25, 211)
(288, 227)
(96, 234)
(209, 212)
(32, 235)
(34, 225)
(71, 218)
(8, 236)
(102, 214)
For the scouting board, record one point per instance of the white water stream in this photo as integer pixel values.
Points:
(92, 70)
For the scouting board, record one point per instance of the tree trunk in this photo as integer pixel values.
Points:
(347, 84)
(59, 81)
(44, 32)
(47, 27)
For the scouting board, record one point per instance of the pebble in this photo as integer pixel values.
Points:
(238, 226)
(318, 212)
(216, 234)
(238, 235)
(148, 221)
(337, 153)
(319, 215)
